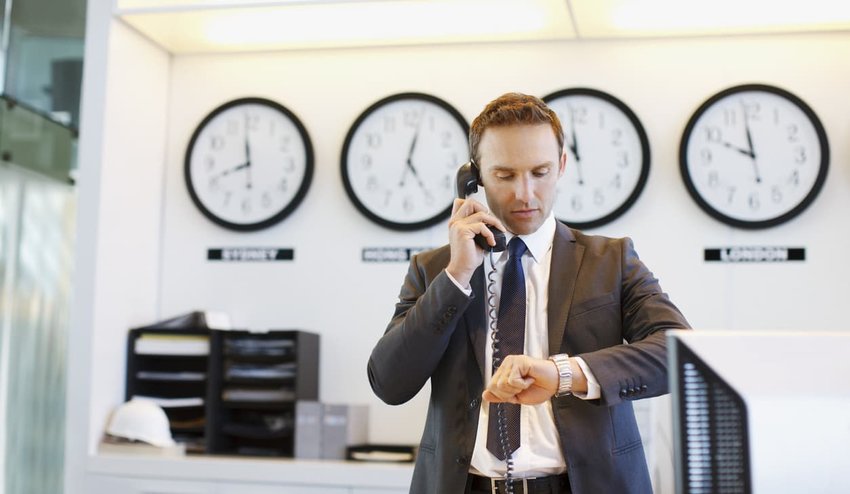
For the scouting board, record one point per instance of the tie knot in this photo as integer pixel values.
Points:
(516, 247)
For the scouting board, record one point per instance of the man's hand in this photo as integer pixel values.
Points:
(529, 381)
(469, 218)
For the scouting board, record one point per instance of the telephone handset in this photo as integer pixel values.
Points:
(468, 179)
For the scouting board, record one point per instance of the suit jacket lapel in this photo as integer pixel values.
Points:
(566, 259)
(476, 321)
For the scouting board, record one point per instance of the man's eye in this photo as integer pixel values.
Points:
(504, 176)
(541, 173)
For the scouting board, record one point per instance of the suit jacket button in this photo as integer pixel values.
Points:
(622, 393)
(643, 388)
(631, 391)
(462, 460)
(473, 404)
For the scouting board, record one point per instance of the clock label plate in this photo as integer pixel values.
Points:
(250, 254)
(755, 254)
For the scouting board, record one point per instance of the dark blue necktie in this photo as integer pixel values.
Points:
(511, 336)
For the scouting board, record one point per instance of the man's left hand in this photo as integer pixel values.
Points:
(523, 380)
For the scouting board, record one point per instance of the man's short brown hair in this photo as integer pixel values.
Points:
(513, 109)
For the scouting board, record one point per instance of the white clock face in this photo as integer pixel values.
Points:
(249, 164)
(607, 157)
(400, 157)
(754, 156)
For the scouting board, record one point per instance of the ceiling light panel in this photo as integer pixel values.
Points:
(192, 26)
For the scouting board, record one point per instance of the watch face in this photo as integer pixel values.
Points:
(400, 157)
(607, 157)
(249, 164)
(754, 156)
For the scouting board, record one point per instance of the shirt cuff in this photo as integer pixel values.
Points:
(466, 291)
(594, 391)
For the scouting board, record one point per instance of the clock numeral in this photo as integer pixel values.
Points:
(387, 196)
(252, 122)
(452, 162)
(598, 197)
(372, 183)
(432, 122)
(776, 194)
(793, 130)
(579, 115)
(214, 186)
(389, 123)
(216, 142)
(272, 127)
(713, 179)
(210, 162)
(289, 164)
(232, 126)
(429, 198)
(706, 156)
(616, 135)
(730, 194)
(601, 120)
(266, 200)
(623, 162)
(776, 116)
(713, 134)
(227, 196)
(284, 143)
(366, 161)
(283, 185)
(617, 181)
(407, 204)
(447, 182)
(576, 203)
(753, 201)
(730, 117)
(752, 111)
(246, 205)
(800, 156)
(794, 179)
(373, 139)
(446, 139)
(411, 118)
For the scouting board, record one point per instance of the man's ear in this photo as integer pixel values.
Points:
(562, 166)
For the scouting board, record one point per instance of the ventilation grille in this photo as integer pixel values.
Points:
(713, 430)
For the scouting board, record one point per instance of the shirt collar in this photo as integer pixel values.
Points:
(540, 241)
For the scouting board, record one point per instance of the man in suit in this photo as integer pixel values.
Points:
(591, 339)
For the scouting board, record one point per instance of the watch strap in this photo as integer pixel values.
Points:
(565, 374)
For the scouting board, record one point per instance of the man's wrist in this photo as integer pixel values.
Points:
(565, 374)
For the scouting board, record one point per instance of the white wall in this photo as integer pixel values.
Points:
(662, 80)
(326, 289)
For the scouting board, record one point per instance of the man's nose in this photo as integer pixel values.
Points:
(524, 189)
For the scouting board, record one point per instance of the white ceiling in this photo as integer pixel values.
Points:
(197, 26)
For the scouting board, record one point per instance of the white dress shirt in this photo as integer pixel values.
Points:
(539, 453)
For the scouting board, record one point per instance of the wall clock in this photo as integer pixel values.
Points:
(754, 156)
(249, 164)
(400, 157)
(607, 157)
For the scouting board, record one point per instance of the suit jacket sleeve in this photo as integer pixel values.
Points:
(637, 369)
(425, 318)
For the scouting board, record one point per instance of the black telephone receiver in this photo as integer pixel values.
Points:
(468, 179)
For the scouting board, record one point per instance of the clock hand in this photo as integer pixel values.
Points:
(234, 169)
(745, 152)
(750, 144)
(574, 147)
(409, 161)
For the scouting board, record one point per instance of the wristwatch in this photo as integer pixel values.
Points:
(565, 373)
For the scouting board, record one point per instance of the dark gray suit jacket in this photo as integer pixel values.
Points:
(600, 294)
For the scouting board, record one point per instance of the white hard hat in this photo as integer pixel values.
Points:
(141, 420)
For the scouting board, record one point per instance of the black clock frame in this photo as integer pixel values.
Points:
(349, 189)
(796, 210)
(644, 144)
(302, 188)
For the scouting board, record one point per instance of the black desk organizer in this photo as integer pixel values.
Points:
(176, 377)
(255, 379)
(251, 383)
